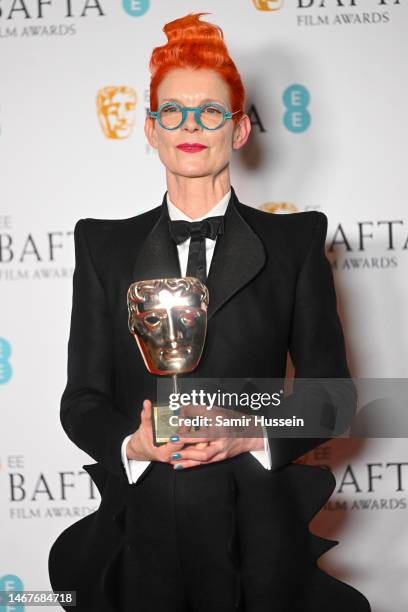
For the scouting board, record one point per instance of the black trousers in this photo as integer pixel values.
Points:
(225, 537)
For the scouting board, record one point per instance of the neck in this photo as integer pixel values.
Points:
(196, 196)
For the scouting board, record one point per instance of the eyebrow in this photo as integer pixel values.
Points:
(201, 102)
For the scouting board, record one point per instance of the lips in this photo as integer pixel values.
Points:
(191, 148)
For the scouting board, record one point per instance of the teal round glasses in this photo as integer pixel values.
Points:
(210, 116)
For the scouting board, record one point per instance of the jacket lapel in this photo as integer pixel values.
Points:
(158, 256)
(238, 256)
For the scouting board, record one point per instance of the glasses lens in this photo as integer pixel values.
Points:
(212, 117)
(170, 116)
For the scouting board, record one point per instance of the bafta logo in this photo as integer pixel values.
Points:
(268, 5)
(283, 208)
(116, 109)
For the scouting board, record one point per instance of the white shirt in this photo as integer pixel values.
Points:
(134, 468)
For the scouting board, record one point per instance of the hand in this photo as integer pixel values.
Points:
(140, 446)
(216, 450)
(219, 446)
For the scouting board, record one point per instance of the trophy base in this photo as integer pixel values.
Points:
(162, 429)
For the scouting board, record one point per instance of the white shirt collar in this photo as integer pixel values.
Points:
(219, 208)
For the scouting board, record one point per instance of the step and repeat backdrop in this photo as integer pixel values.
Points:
(326, 93)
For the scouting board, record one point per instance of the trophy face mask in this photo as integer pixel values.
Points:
(168, 318)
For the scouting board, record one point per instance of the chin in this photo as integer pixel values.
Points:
(192, 171)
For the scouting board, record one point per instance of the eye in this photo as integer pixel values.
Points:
(152, 320)
(189, 318)
(171, 108)
(212, 110)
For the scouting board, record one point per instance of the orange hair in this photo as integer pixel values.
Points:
(192, 43)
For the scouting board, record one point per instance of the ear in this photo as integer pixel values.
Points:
(150, 131)
(241, 132)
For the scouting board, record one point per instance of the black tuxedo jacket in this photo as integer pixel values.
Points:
(271, 290)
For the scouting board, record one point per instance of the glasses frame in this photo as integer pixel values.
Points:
(196, 110)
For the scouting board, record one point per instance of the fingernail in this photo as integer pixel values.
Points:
(176, 456)
(175, 438)
(178, 467)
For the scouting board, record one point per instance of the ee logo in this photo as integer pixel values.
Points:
(136, 8)
(296, 99)
(5, 366)
(8, 584)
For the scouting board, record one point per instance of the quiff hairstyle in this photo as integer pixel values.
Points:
(192, 43)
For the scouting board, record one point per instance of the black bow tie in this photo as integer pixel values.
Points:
(207, 228)
(198, 231)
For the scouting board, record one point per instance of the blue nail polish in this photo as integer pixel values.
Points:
(178, 467)
(175, 438)
(176, 456)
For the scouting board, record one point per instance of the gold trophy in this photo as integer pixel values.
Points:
(168, 319)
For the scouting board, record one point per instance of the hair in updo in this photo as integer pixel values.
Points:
(192, 43)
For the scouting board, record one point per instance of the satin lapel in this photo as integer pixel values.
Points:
(158, 256)
(238, 257)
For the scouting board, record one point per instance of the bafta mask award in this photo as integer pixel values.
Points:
(168, 319)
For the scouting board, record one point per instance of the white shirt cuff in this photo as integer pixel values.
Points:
(133, 467)
(264, 456)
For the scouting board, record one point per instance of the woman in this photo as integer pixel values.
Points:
(198, 525)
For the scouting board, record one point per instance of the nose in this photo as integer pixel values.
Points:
(171, 329)
(174, 333)
(121, 111)
(190, 123)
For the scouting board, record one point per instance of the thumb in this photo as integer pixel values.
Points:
(146, 415)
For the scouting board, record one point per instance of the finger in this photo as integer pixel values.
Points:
(201, 445)
(194, 440)
(220, 456)
(146, 414)
(174, 443)
(172, 447)
(192, 454)
(185, 464)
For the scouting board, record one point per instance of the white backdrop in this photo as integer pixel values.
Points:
(343, 153)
